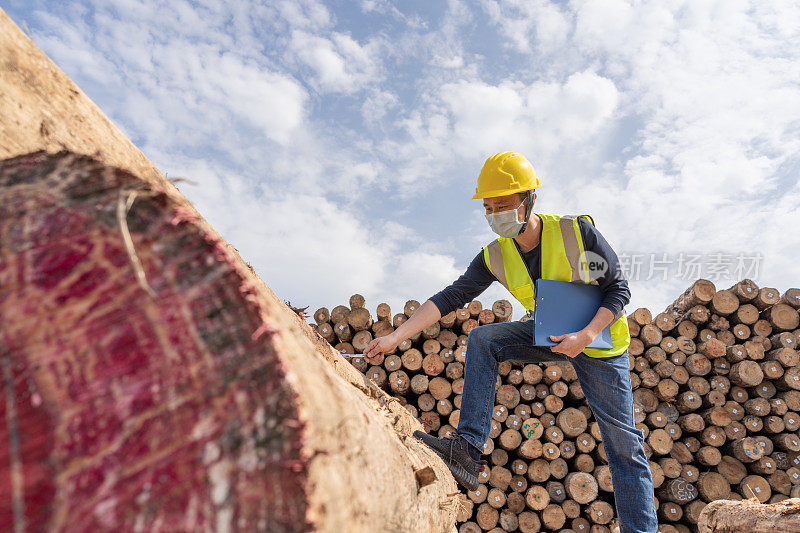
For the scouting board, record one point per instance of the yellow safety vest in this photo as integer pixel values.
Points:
(561, 250)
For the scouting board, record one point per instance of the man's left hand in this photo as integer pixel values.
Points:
(571, 344)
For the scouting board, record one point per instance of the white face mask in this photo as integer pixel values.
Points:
(505, 223)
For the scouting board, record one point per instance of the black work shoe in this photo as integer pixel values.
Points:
(455, 452)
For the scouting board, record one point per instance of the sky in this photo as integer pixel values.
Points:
(336, 144)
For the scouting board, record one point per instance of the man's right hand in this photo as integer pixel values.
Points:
(380, 346)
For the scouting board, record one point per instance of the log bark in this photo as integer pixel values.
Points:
(713, 486)
(782, 317)
(678, 491)
(750, 517)
(581, 487)
(745, 290)
(724, 302)
(322, 315)
(357, 301)
(167, 363)
(383, 312)
(767, 297)
(339, 314)
(502, 310)
(641, 316)
(359, 319)
(410, 307)
(746, 373)
(701, 292)
(791, 297)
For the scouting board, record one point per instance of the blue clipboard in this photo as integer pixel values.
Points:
(565, 307)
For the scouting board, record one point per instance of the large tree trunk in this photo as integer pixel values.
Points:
(150, 379)
(746, 516)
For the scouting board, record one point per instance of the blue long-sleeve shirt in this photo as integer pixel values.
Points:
(478, 277)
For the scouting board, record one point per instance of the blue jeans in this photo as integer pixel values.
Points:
(606, 385)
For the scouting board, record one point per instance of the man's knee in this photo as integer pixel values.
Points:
(481, 338)
(624, 441)
(478, 334)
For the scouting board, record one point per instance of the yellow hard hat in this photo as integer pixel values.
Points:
(505, 173)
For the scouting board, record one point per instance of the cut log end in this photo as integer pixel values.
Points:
(220, 380)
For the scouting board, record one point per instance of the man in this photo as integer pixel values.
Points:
(532, 247)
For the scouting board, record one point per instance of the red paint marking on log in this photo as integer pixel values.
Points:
(121, 353)
(6, 273)
(86, 283)
(77, 386)
(116, 255)
(13, 235)
(34, 432)
(91, 429)
(21, 277)
(183, 213)
(52, 224)
(263, 329)
(293, 465)
(50, 264)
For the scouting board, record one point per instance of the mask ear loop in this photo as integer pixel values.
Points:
(528, 210)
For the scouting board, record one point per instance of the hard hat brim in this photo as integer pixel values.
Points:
(501, 192)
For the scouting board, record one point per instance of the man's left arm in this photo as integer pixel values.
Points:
(616, 293)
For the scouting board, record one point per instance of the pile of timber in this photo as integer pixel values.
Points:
(716, 389)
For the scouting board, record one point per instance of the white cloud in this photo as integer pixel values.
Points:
(81, 59)
(451, 62)
(339, 63)
(271, 102)
(313, 251)
(377, 105)
(473, 119)
(527, 21)
(386, 7)
(306, 14)
(171, 89)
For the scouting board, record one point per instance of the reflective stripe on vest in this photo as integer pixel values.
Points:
(561, 251)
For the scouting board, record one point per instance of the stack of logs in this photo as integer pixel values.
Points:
(716, 386)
